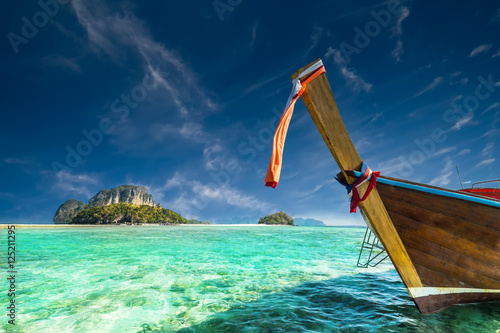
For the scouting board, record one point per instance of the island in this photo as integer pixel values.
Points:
(126, 204)
(280, 218)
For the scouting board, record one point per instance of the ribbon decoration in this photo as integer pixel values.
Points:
(299, 86)
(352, 189)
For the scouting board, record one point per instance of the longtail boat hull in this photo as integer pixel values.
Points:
(452, 242)
(444, 244)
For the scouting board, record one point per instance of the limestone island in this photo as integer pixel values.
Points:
(126, 204)
(280, 218)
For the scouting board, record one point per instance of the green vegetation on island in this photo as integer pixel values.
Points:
(127, 213)
(280, 218)
(195, 221)
(123, 204)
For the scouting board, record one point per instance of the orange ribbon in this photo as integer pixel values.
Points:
(274, 170)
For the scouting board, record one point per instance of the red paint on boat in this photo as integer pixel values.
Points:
(491, 193)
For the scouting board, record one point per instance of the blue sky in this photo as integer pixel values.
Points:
(183, 98)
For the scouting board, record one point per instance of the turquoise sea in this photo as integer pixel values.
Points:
(213, 279)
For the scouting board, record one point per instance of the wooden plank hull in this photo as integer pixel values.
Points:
(454, 245)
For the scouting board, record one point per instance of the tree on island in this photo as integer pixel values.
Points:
(280, 218)
(127, 213)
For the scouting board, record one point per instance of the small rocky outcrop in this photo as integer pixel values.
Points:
(68, 210)
(280, 218)
(308, 222)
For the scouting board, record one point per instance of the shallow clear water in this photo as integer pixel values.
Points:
(215, 279)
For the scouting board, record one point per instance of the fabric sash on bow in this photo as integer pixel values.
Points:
(366, 174)
(299, 86)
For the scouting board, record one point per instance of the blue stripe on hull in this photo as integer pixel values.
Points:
(445, 193)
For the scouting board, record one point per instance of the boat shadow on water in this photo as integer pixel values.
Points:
(354, 303)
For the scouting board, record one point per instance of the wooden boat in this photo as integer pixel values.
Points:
(444, 244)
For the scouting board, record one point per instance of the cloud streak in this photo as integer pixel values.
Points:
(480, 49)
(398, 31)
(355, 81)
(437, 81)
(119, 32)
(194, 197)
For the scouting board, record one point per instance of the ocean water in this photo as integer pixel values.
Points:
(214, 279)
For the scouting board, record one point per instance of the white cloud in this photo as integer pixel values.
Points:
(488, 150)
(60, 61)
(354, 80)
(467, 120)
(254, 33)
(193, 196)
(497, 54)
(464, 152)
(18, 160)
(485, 162)
(492, 133)
(69, 183)
(480, 49)
(398, 51)
(315, 37)
(398, 31)
(437, 81)
(405, 12)
(376, 117)
(444, 179)
(444, 151)
(491, 107)
(118, 33)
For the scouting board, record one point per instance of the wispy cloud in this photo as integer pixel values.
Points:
(315, 38)
(497, 54)
(398, 31)
(480, 49)
(194, 196)
(491, 107)
(444, 151)
(74, 184)
(467, 120)
(355, 81)
(118, 33)
(18, 160)
(485, 162)
(488, 155)
(398, 51)
(254, 33)
(488, 150)
(61, 61)
(491, 133)
(444, 179)
(378, 116)
(191, 131)
(437, 81)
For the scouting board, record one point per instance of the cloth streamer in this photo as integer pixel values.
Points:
(299, 86)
